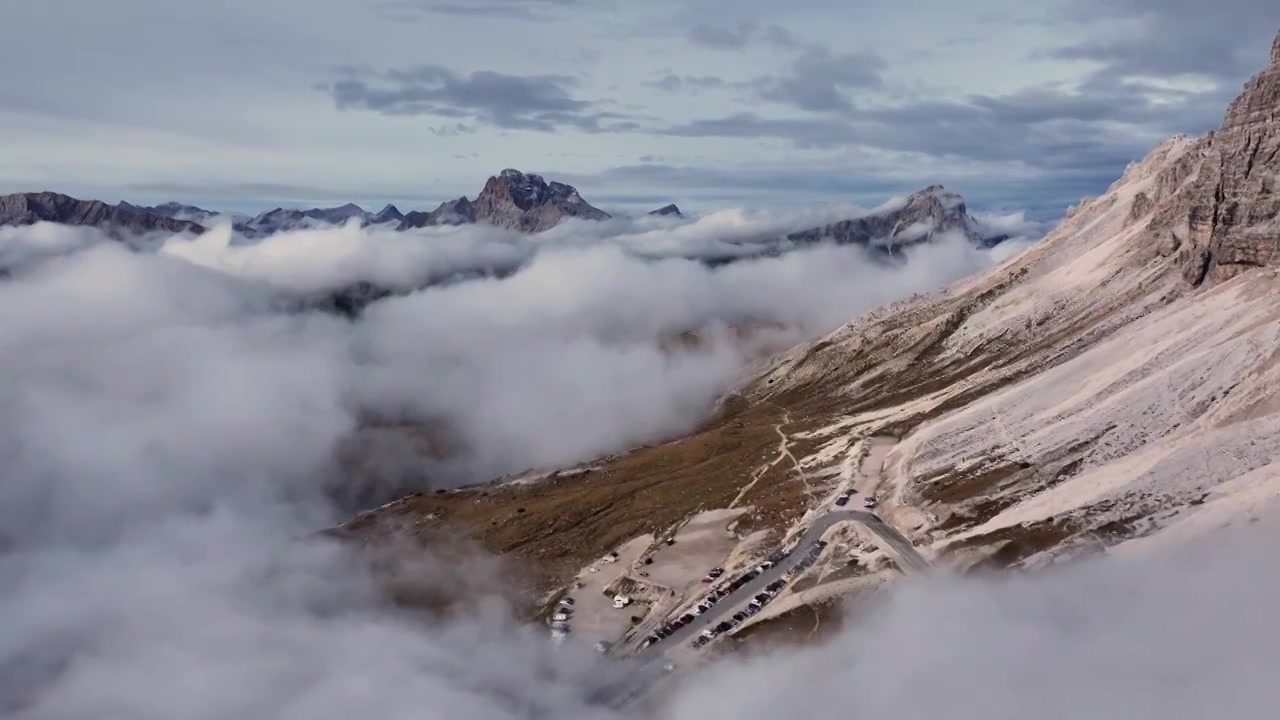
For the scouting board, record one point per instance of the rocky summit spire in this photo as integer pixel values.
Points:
(1229, 208)
(515, 200)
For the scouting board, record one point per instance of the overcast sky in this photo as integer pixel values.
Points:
(245, 104)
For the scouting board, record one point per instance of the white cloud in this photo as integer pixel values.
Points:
(167, 435)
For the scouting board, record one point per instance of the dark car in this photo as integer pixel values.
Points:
(724, 627)
(739, 616)
(842, 501)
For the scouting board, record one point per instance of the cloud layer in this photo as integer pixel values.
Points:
(167, 431)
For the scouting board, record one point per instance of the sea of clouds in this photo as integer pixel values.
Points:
(168, 421)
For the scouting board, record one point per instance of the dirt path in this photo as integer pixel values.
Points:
(784, 453)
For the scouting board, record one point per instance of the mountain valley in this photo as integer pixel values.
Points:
(1116, 385)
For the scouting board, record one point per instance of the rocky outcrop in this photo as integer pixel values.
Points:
(512, 200)
(30, 208)
(922, 217)
(1229, 219)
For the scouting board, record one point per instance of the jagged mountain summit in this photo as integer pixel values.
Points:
(923, 216)
(513, 200)
(29, 208)
(1218, 208)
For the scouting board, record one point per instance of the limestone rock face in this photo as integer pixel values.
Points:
(1232, 214)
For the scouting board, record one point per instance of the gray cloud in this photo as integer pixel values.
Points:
(524, 102)
(741, 35)
(517, 9)
(691, 83)
(818, 80)
(1063, 133)
(1168, 38)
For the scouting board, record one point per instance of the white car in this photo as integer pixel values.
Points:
(869, 503)
(708, 633)
(559, 617)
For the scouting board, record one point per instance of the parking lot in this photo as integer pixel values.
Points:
(733, 600)
(701, 544)
(592, 616)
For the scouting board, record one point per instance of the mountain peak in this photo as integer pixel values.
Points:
(515, 200)
(670, 209)
(925, 215)
(387, 214)
(1222, 223)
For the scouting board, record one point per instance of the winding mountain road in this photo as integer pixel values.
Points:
(652, 659)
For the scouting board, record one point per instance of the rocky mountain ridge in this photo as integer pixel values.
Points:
(922, 217)
(30, 208)
(528, 203)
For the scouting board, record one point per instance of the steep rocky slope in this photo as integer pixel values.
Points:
(1118, 380)
(514, 200)
(30, 208)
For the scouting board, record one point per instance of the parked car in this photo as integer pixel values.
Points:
(869, 503)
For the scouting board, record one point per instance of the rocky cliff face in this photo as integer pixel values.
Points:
(922, 217)
(1227, 219)
(513, 200)
(30, 208)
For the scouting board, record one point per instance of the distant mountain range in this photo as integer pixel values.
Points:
(511, 199)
